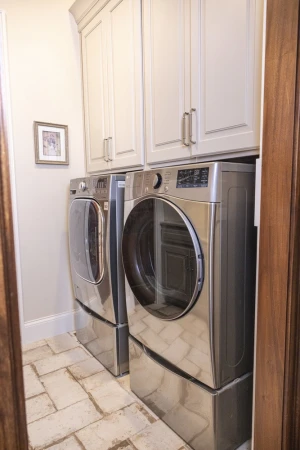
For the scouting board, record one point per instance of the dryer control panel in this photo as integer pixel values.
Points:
(192, 178)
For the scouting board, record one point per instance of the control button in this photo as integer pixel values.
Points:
(146, 189)
(82, 185)
(166, 188)
(157, 180)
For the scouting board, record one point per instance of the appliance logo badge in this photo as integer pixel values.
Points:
(105, 206)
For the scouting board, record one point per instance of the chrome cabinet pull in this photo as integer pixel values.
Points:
(184, 129)
(109, 149)
(105, 150)
(193, 110)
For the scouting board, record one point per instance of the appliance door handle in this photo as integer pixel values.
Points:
(193, 110)
(105, 150)
(184, 129)
(109, 141)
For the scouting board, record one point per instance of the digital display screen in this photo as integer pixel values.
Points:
(101, 183)
(192, 178)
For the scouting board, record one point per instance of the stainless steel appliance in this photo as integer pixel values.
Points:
(95, 228)
(189, 258)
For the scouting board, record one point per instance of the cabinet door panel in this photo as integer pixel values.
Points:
(167, 66)
(226, 73)
(125, 82)
(94, 84)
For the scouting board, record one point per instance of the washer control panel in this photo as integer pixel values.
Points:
(82, 186)
(157, 180)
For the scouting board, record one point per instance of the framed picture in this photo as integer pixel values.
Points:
(51, 143)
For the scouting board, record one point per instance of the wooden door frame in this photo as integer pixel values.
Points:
(13, 431)
(277, 388)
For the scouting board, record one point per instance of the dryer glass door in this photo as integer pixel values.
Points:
(162, 258)
(86, 239)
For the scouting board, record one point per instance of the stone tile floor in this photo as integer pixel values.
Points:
(74, 403)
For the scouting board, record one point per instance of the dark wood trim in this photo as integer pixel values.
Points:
(278, 287)
(291, 423)
(13, 432)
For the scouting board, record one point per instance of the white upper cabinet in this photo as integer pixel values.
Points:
(112, 80)
(95, 94)
(202, 63)
(126, 115)
(167, 80)
(226, 54)
(190, 70)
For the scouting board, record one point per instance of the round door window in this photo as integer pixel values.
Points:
(162, 258)
(85, 226)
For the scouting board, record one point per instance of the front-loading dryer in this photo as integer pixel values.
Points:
(189, 257)
(96, 211)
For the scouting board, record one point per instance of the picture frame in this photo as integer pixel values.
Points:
(51, 143)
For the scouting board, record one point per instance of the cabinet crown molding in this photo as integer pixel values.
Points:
(84, 10)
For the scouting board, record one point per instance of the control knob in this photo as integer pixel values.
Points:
(157, 180)
(82, 185)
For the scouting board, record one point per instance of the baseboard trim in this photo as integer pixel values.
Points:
(46, 327)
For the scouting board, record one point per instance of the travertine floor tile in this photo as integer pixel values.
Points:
(113, 429)
(68, 444)
(63, 389)
(38, 407)
(111, 397)
(62, 343)
(124, 445)
(97, 380)
(125, 382)
(32, 384)
(86, 368)
(36, 354)
(157, 436)
(61, 360)
(33, 345)
(62, 423)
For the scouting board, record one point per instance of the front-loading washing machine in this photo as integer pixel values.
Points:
(188, 251)
(96, 211)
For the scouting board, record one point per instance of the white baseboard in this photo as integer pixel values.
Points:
(46, 327)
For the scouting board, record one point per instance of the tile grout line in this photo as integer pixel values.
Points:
(79, 441)
(52, 401)
(131, 443)
(59, 441)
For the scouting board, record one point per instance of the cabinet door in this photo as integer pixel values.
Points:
(226, 75)
(95, 97)
(124, 48)
(166, 28)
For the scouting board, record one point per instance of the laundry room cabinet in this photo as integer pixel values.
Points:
(202, 63)
(112, 85)
(185, 75)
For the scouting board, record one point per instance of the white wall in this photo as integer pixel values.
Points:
(45, 85)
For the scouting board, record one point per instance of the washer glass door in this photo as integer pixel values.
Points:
(162, 258)
(86, 239)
